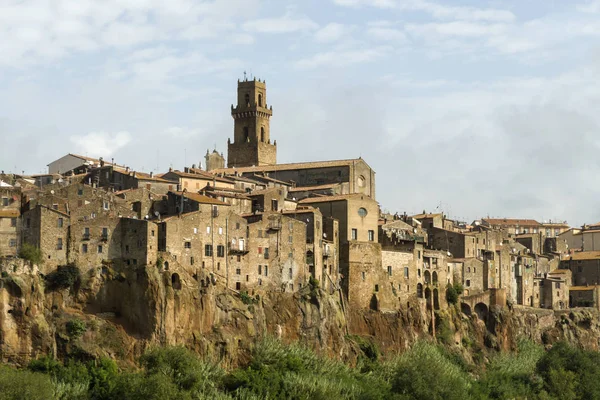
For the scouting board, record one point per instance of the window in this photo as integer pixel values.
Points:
(354, 233)
(59, 244)
(84, 248)
(127, 248)
(364, 276)
(419, 254)
(237, 225)
(260, 250)
(238, 271)
(262, 134)
(208, 250)
(266, 253)
(99, 249)
(220, 250)
(260, 100)
(191, 260)
(5, 201)
(274, 205)
(220, 230)
(13, 222)
(260, 269)
(152, 232)
(291, 238)
(104, 232)
(247, 98)
(557, 285)
(371, 235)
(468, 283)
(377, 288)
(12, 243)
(266, 270)
(55, 206)
(195, 230)
(406, 272)
(208, 229)
(246, 136)
(290, 273)
(188, 245)
(105, 205)
(389, 269)
(60, 223)
(80, 192)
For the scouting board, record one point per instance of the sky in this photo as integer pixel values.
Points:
(476, 108)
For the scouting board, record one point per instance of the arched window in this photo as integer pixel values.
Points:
(260, 100)
(247, 99)
(427, 277)
(419, 290)
(176, 281)
(434, 277)
(262, 134)
(246, 136)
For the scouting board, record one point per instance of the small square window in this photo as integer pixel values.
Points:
(99, 249)
(354, 234)
(188, 245)
(84, 248)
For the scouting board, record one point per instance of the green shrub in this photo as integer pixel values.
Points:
(76, 328)
(24, 385)
(64, 277)
(247, 299)
(31, 253)
(160, 262)
(453, 293)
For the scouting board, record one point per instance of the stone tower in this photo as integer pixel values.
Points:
(251, 134)
(214, 160)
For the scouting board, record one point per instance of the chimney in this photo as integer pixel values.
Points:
(127, 169)
(151, 174)
(170, 169)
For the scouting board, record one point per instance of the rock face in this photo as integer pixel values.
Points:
(127, 311)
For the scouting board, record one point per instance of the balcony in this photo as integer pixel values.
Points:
(274, 226)
(237, 249)
(104, 237)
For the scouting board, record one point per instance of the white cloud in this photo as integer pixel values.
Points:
(331, 32)
(386, 34)
(284, 24)
(436, 10)
(342, 58)
(99, 144)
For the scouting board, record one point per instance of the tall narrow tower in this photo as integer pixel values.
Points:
(251, 133)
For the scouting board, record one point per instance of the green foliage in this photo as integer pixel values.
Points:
(76, 328)
(443, 333)
(453, 293)
(247, 299)
(64, 277)
(160, 262)
(31, 253)
(425, 372)
(570, 373)
(24, 385)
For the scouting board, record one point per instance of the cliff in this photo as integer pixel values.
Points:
(124, 312)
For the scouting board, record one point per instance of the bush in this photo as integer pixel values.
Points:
(246, 298)
(24, 385)
(76, 328)
(31, 253)
(453, 293)
(64, 277)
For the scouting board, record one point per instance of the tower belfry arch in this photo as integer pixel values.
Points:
(251, 144)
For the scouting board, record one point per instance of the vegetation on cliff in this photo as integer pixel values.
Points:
(277, 371)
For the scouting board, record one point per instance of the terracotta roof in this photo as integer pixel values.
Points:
(201, 198)
(560, 272)
(293, 166)
(511, 221)
(204, 176)
(224, 193)
(308, 188)
(326, 199)
(9, 213)
(583, 255)
(421, 216)
(301, 211)
(270, 179)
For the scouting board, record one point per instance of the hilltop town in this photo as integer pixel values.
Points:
(250, 226)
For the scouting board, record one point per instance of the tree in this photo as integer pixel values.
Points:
(31, 253)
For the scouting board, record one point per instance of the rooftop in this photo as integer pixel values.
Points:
(583, 255)
(326, 199)
(511, 222)
(199, 198)
(292, 166)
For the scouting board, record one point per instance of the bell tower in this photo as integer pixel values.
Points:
(251, 131)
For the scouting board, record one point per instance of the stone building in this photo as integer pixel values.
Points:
(401, 253)
(117, 179)
(584, 267)
(513, 226)
(573, 239)
(214, 160)
(47, 229)
(251, 133)
(277, 258)
(194, 180)
(10, 220)
(555, 289)
(209, 240)
(584, 296)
